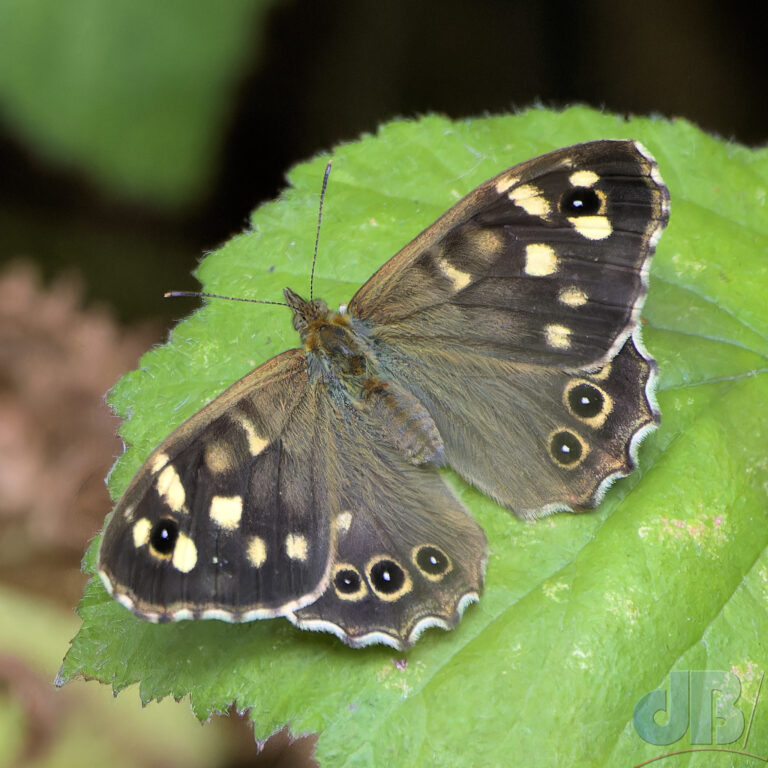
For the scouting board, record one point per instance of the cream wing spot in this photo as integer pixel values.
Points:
(592, 227)
(141, 529)
(257, 551)
(343, 521)
(184, 554)
(487, 240)
(572, 296)
(506, 182)
(256, 443)
(583, 179)
(170, 488)
(540, 260)
(296, 546)
(159, 461)
(531, 199)
(456, 276)
(226, 511)
(218, 458)
(558, 336)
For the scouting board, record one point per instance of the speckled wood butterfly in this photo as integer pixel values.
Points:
(503, 341)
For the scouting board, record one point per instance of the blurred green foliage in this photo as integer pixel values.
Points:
(134, 94)
(87, 727)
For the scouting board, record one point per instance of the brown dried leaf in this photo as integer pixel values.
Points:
(57, 435)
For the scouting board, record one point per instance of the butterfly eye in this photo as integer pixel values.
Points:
(586, 401)
(164, 535)
(432, 562)
(581, 201)
(566, 448)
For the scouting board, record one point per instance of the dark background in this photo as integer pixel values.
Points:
(326, 71)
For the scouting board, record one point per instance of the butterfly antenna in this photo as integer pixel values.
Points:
(317, 235)
(200, 295)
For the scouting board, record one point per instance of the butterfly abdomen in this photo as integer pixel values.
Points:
(405, 423)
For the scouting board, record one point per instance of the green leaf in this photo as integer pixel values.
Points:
(136, 94)
(582, 614)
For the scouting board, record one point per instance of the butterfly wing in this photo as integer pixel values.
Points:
(196, 533)
(499, 316)
(277, 500)
(512, 321)
(408, 554)
(536, 438)
(546, 262)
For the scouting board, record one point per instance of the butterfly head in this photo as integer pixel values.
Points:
(305, 313)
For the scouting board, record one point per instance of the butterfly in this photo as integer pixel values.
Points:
(503, 342)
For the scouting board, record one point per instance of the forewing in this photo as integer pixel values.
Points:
(545, 263)
(228, 518)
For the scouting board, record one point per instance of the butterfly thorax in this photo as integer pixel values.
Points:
(341, 356)
(330, 340)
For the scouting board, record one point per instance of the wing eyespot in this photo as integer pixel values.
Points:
(388, 579)
(431, 561)
(586, 400)
(163, 537)
(348, 583)
(581, 201)
(567, 448)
